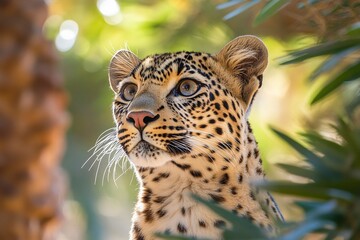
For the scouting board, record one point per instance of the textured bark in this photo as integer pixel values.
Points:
(33, 122)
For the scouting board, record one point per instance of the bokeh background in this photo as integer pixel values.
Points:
(86, 34)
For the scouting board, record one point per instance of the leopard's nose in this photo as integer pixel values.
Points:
(141, 118)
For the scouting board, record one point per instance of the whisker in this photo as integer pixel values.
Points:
(106, 147)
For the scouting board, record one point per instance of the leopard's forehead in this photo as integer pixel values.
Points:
(160, 66)
(158, 60)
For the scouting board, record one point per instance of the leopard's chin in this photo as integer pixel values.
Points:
(145, 154)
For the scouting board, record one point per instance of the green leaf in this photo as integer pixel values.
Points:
(241, 9)
(322, 209)
(334, 154)
(169, 237)
(297, 146)
(236, 235)
(305, 228)
(332, 62)
(308, 206)
(242, 227)
(313, 159)
(320, 50)
(351, 136)
(298, 171)
(228, 4)
(349, 74)
(269, 10)
(324, 190)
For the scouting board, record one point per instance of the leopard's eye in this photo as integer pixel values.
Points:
(188, 87)
(128, 91)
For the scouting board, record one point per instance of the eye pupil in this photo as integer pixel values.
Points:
(187, 87)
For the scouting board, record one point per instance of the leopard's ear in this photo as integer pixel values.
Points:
(121, 66)
(246, 58)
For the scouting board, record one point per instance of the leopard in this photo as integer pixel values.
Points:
(182, 121)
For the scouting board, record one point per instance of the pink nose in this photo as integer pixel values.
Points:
(141, 119)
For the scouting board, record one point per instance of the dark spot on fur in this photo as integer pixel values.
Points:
(136, 230)
(160, 199)
(217, 198)
(161, 213)
(161, 108)
(217, 106)
(219, 224)
(241, 159)
(211, 121)
(149, 217)
(252, 195)
(181, 166)
(181, 228)
(161, 176)
(225, 104)
(224, 179)
(183, 211)
(239, 207)
(211, 159)
(240, 178)
(219, 130)
(256, 153)
(147, 195)
(202, 224)
(195, 174)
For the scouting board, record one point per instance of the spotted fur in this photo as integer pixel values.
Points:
(200, 144)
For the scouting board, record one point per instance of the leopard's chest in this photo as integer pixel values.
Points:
(176, 214)
(166, 203)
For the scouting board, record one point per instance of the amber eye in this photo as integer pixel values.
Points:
(188, 87)
(128, 91)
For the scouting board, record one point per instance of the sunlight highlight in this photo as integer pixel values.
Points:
(67, 35)
(110, 10)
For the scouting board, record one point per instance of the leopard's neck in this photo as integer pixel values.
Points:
(166, 204)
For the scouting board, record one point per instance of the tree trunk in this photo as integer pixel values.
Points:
(33, 122)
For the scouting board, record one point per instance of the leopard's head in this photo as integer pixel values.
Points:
(175, 106)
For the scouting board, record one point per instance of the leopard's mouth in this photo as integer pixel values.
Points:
(173, 147)
(144, 148)
(146, 154)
